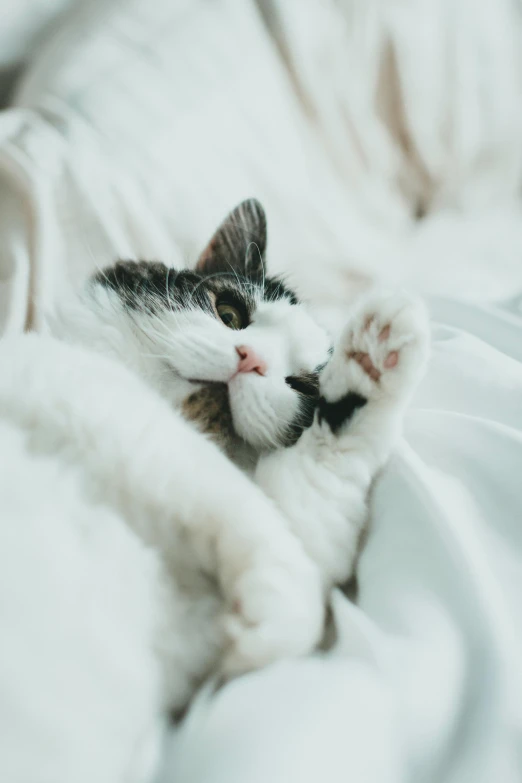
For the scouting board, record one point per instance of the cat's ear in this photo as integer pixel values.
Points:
(239, 244)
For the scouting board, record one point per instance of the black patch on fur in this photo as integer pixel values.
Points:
(238, 250)
(275, 289)
(232, 265)
(307, 386)
(239, 244)
(336, 414)
(150, 286)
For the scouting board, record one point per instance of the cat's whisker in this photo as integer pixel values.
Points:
(172, 316)
(167, 289)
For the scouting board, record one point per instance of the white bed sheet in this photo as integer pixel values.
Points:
(135, 131)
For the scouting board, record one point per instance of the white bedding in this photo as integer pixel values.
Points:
(136, 129)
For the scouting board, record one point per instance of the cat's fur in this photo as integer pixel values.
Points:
(236, 543)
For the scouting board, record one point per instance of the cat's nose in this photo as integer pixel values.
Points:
(249, 361)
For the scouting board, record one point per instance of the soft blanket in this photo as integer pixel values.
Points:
(384, 141)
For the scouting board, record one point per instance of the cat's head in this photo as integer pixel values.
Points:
(231, 347)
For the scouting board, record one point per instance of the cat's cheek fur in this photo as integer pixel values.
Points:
(202, 349)
(262, 408)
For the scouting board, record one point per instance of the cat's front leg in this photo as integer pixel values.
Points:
(272, 601)
(182, 497)
(322, 483)
(272, 589)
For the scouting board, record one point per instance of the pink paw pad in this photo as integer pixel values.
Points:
(391, 360)
(366, 363)
(364, 360)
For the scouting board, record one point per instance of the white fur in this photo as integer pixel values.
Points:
(171, 560)
(322, 482)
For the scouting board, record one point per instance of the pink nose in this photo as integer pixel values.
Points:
(249, 361)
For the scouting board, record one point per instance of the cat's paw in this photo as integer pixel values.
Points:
(382, 351)
(277, 613)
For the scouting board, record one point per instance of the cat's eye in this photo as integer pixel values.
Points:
(231, 316)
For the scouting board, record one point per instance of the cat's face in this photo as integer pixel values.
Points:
(230, 347)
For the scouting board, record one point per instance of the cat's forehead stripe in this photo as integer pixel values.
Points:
(147, 285)
(275, 288)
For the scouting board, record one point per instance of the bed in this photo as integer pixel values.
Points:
(384, 142)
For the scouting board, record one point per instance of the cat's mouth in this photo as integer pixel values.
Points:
(203, 381)
(212, 382)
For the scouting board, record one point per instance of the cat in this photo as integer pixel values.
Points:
(231, 442)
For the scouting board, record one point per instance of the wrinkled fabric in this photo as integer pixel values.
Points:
(385, 141)
(137, 126)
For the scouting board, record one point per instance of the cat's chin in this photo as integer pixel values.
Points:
(261, 409)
